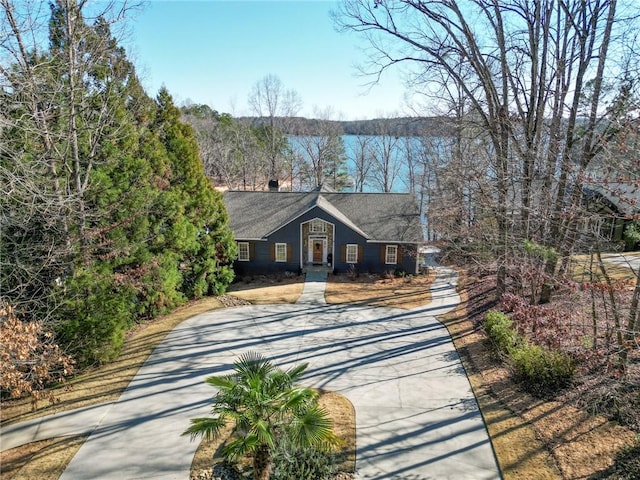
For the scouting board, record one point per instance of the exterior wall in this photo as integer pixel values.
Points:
(372, 260)
(261, 259)
(331, 233)
(338, 236)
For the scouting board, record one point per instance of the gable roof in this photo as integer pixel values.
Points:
(379, 217)
(624, 196)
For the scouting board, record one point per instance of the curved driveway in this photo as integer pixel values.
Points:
(416, 415)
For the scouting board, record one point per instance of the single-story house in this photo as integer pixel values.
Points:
(290, 231)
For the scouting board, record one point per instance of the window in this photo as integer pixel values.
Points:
(317, 226)
(243, 251)
(352, 253)
(391, 256)
(281, 252)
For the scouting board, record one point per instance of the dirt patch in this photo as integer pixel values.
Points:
(401, 292)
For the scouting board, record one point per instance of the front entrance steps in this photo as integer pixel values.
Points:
(324, 268)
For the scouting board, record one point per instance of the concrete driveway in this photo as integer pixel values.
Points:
(628, 260)
(416, 415)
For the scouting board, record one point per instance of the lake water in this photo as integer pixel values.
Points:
(392, 152)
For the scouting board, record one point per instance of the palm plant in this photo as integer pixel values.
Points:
(267, 409)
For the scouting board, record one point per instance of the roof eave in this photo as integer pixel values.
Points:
(344, 220)
(406, 242)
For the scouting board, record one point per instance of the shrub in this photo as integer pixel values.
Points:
(301, 463)
(352, 272)
(498, 328)
(29, 358)
(540, 370)
(95, 315)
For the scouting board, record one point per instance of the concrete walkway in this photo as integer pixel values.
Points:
(624, 260)
(416, 415)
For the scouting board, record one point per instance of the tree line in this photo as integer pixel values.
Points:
(543, 103)
(397, 126)
(384, 155)
(106, 216)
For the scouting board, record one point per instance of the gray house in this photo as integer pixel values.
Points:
(614, 206)
(289, 231)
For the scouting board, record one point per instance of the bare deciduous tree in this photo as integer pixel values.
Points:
(322, 152)
(362, 161)
(56, 122)
(533, 76)
(269, 98)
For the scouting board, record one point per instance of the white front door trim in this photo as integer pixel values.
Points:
(312, 241)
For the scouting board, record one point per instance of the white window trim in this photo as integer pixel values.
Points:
(354, 253)
(284, 246)
(241, 258)
(317, 223)
(387, 255)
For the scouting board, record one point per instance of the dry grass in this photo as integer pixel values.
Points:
(266, 291)
(403, 292)
(47, 459)
(533, 438)
(106, 383)
(343, 415)
(44, 460)
(584, 269)
(520, 454)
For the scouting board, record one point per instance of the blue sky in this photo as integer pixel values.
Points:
(214, 51)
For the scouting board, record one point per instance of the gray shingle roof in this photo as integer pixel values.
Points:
(625, 196)
(382, 217)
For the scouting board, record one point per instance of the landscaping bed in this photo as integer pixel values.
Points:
(572, 432)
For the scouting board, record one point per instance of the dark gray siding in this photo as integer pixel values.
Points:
(372, 260)
(344, 236)
(289, 234)
(369, 257)
(262, 259)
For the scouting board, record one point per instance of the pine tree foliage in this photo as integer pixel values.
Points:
(107, 218)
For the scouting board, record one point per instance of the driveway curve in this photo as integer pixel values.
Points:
(416, 415)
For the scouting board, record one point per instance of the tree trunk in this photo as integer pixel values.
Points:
(262, 463)
(623, 348)
(632, 323)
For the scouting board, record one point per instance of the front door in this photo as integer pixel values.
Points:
(318, 251)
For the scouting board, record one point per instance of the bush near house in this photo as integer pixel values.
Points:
(541, 371)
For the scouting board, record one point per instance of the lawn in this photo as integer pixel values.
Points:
(584, 268)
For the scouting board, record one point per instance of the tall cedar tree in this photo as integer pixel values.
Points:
(122, 223)
(199, 232)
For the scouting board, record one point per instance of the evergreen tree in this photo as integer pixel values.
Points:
(199, 232)
(120, 221)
